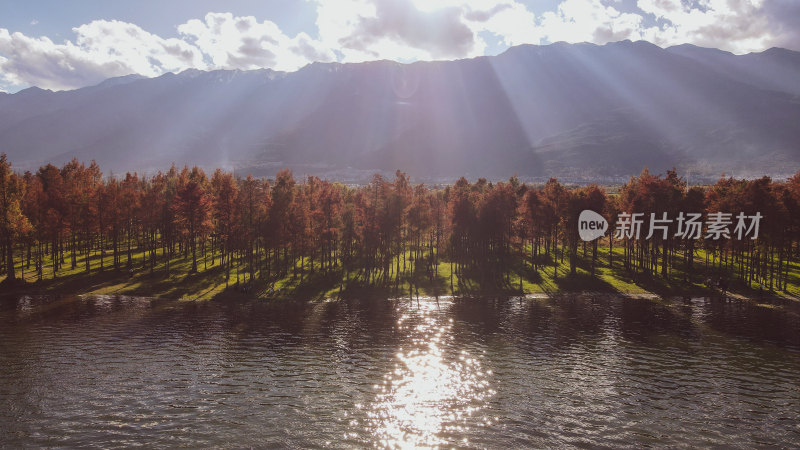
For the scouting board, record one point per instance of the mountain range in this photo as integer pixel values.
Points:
(576, 111)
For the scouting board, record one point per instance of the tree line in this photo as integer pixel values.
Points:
(383, 233)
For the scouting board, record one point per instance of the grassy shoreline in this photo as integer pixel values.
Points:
(209, 282)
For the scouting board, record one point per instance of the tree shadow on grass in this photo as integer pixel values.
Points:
(583, 282)
(420, 284)
(75, 283)
(530, 274)
(479, 282)
(315, 286)
(430, 283)
(674, 286)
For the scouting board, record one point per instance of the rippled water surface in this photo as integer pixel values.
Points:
(582, 371)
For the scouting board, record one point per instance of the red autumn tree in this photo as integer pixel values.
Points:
(192, 208)
(13, 222)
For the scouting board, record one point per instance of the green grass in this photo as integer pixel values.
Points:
(209, 281)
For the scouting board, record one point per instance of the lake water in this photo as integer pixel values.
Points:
(573, 371)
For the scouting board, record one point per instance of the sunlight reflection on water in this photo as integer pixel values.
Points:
(433, 389)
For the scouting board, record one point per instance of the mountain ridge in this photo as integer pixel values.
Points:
(579, 111)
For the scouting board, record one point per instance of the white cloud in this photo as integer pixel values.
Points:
(408, 29)
(445, 29)
(104, 49)
(392, 29)
(101, 50)
(738, 26)
(515, 25)
(589, 21)
(244, 43)
(143, 52)
(403, 30)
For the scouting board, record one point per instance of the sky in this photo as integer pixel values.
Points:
(59, 45)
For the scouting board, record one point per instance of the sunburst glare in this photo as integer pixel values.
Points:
(433, 390)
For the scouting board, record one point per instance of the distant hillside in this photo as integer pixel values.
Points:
(576, 111)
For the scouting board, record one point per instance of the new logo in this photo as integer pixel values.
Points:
(591, 225)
